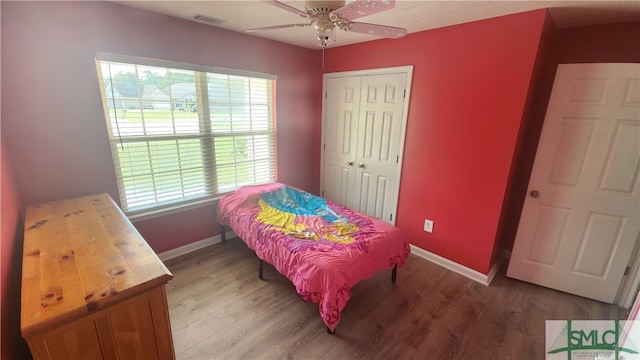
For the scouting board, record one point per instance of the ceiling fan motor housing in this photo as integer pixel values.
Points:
(319, 11)
(322, 7)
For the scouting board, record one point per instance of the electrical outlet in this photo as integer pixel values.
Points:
(428, 225)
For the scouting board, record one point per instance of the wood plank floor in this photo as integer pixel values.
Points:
(220, 310)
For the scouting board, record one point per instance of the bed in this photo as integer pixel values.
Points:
(323, 248)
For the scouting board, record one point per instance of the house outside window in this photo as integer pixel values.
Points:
(184, 134)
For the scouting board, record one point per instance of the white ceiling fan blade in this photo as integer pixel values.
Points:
(288, 8)
(377, 30)
(277, 27)
(360, 8)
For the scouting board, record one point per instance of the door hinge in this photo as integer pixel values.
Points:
(397, 158)
(325, 94)
(322, 193)
(324, 146)
(390, 217)
(405, 93)
(627, 270)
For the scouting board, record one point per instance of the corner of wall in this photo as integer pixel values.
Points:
(533, 114)
(11, 231)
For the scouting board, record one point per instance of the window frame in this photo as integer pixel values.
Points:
(205, 132)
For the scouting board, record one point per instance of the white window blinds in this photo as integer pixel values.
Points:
(182, 134)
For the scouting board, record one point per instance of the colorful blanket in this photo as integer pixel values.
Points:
(322, 247)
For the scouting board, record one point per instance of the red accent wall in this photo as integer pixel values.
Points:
(11, 230)
(600, 43)
(53, 113)
(469, 90)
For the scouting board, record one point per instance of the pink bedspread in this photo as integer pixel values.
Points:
(322, 247)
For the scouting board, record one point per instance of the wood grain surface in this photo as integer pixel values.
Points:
(81, 255)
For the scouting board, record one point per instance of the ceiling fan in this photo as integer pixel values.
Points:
(326, 16)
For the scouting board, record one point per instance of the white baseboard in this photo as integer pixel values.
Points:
(484, 279)
(185, 249)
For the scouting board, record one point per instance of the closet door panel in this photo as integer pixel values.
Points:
(342, 107)
(379, 140)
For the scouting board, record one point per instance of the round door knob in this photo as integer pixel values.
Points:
(350, 163)
(535, 193)
(361, 165)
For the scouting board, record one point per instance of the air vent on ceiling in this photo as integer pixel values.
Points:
(207, 19)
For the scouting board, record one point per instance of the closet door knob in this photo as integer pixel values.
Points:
(350, 163)
(361, 165)
(535, 194)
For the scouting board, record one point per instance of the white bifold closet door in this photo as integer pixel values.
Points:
(363, 136)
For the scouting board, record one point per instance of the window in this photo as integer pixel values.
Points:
(182, 134)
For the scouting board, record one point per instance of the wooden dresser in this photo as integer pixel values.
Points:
(92, 288)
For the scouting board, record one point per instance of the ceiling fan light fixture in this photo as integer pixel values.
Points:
(322, 23)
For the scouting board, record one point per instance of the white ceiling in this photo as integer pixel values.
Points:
(414, 16)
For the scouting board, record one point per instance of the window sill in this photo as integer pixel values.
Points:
(144, 215)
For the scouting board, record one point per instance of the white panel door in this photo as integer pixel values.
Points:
(363, 129)
(379, 137)
(342, 109)
(581, 218)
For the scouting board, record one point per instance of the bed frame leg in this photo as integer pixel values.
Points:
(394, 273)
(223, 233)
(330, 332)
(260, 268)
